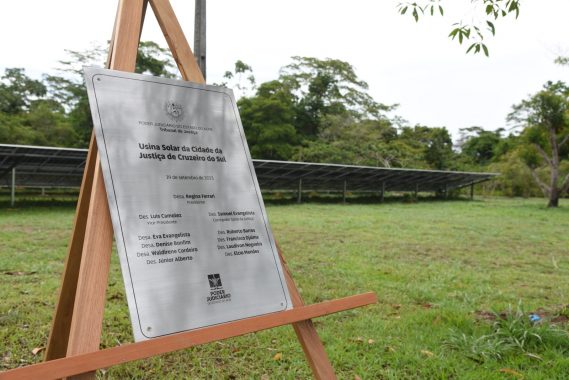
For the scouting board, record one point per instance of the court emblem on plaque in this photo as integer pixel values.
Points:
(175, 111)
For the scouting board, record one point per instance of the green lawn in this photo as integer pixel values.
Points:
(439, 269)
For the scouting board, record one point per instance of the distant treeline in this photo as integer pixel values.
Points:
(317, 111)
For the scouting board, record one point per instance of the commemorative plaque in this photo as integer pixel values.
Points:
(191, 229)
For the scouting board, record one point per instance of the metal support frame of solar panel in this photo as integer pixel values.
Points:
(42, 166)
(63, 167)
(279, 175)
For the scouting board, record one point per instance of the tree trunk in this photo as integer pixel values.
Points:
(553, 198)
(554, 191)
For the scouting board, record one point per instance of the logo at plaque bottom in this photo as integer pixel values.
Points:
(216, 292)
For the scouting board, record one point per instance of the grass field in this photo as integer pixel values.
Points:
(440, 270)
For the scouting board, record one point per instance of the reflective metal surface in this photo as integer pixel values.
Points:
(192, 233)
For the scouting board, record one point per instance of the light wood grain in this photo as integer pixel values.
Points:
(126, 36)
(85, 331)
(307, 334)
(59, 335)
(134, 351)
(176, 40)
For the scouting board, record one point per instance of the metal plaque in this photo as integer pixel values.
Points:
(191, 229)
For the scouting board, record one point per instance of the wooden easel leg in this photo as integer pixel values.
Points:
(307, 335)
(88, 310)
(59, 335)
(79, 313)
(177, 41)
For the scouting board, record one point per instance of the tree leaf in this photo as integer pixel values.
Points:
(492, 27)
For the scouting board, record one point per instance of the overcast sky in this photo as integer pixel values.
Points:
(414, 65)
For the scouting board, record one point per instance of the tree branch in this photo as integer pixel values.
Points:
(542, 185)
(545, 156)
(564, 141)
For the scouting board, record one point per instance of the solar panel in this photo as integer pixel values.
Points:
(38, 166)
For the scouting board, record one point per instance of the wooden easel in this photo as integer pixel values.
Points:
(73, 347)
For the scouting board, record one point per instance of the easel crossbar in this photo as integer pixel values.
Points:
(78, 364)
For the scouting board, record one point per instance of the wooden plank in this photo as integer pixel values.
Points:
(142, 18)
(112, 40)
(85, 331)
(127, 33)
(105, 358)
(307, 334)
(177, 41)
(59, 335)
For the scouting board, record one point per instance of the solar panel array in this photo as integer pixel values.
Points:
(288, 175)
(63, 167)
(38, 166)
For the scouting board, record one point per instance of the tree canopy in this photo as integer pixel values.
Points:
(316, 110)
(544, 119)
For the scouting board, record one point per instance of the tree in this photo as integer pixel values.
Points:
(55, 110)
(155, 60)
(480, 146)
(327, 87)
(312, 101)
(27, 116)
(545, 119)
(18, 91)
(267, 121)
(515, 179)
(433, 143)
(68, 87)
(562, 60)
(241, 80)
(476, 31)
(344, 140)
